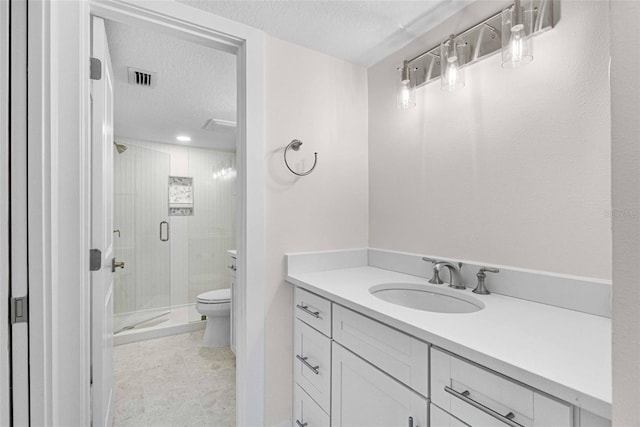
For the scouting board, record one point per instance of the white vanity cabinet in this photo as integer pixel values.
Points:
(233, 301)
(351, 370)
(311, 360)
(365, 396)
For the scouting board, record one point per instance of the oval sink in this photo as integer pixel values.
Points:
(422, 297)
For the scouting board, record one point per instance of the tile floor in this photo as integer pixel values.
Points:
(174, 381)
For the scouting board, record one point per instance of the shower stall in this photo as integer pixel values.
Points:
(142, 290)
(174, 220)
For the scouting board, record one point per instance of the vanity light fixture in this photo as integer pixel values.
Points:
(452, 57)
(510, 31)
(517, 25)
(183, 138)
(405, 92)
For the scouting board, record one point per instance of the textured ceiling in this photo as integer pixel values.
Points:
(194, 84)
(361, 32)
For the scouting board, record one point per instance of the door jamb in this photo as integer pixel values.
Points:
(5, 374)
(61, 51)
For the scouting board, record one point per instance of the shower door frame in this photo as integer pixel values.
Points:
(59, 34)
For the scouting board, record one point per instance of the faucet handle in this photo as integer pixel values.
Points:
(435, 279)
(481, 288)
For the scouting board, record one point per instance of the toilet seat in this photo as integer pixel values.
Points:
(219, 296)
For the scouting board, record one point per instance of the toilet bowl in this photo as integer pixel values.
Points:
(216, 306)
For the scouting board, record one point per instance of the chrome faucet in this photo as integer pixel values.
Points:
(481, 288)
(437, 268)
(451, 267)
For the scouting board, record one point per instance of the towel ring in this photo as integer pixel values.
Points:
(295, 146)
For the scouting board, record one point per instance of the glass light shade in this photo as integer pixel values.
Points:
(451, 61)
(517, 29)
(405, 92)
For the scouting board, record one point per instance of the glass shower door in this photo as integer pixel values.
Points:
(142, 290)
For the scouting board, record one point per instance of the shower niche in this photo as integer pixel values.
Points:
(180, 196)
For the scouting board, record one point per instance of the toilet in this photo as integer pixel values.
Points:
(216, 306)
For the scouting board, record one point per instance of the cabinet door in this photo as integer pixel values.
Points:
(396, 353)
(233, 302)
(233, 312)
(306, 411)
(439, 418)
(365, 396)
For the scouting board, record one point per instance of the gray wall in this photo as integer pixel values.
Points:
(625, 118)
(514, 169)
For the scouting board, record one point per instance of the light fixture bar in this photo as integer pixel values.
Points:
(482, 40)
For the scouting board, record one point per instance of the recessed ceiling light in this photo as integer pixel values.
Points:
(183, 138)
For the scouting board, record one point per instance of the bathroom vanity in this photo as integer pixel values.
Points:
(232, 256)
(362, 361)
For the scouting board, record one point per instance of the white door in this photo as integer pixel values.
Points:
(102, 231)
(363, 396)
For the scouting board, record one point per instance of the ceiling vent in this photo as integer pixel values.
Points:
(217, 125)
(140, 77)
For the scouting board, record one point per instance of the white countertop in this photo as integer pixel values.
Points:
(562, 352)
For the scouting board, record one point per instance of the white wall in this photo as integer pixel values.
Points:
(513, 169)
(322, 101)
(625, 139)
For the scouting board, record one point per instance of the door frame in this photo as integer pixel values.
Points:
(60, 157)
(5, 374)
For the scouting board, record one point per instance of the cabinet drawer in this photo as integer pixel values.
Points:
(439, 418)
(480, 397)
(312, 363)
(398, 354)
(306, 412)
(313, 310)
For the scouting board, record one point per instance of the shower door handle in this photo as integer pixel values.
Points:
(166, 234)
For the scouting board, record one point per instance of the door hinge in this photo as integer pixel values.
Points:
(95, 69)
(95, 259)
(19, 310)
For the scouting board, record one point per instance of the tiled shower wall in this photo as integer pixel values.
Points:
(197, 243)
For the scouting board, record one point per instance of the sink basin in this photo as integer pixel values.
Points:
(427, 298)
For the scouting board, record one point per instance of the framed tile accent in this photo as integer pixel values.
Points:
(180, 196)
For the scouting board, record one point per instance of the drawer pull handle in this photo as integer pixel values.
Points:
(410, 421)
(464, 396)
(305, 308)
(307, 364)
(299, 424)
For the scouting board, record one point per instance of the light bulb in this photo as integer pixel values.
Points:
(517, 22)
(405, 98)
(405, 95)
(451, 75)
(516, 44)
